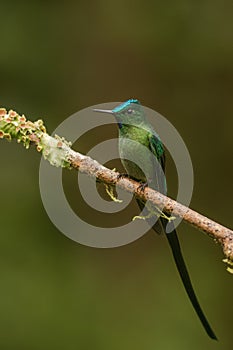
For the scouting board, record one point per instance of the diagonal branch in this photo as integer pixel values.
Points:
(58, 152)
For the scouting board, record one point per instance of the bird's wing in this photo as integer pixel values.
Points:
(158, 182)
(157, 149)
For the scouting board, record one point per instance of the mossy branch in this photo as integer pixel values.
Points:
(58, 152)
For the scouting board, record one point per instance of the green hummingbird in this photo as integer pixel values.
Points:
(143, 157)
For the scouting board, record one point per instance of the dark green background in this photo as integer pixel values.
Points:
(57, 58)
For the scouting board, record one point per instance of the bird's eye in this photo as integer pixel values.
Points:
(130, 111)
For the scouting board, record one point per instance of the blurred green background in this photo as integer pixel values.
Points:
(57, 58)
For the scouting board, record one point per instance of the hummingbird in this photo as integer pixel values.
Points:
(142, 155)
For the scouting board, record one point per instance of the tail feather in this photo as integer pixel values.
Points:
(180, 264)
(159, 227)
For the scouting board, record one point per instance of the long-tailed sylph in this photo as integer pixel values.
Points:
(138, 140)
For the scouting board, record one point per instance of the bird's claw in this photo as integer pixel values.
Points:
(163, 215)
(142, 186)
(122, 175)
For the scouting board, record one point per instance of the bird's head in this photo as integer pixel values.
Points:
(129, 112)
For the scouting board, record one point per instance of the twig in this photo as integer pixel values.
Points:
(58, 152)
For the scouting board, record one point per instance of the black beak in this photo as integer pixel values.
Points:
(103, 110)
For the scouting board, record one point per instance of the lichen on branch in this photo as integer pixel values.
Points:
(14, 126)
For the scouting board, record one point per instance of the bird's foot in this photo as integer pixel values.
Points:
(163, 215)
(122, 176)
(110, 191)
(142, 186)
(125, 175)
(168, 218)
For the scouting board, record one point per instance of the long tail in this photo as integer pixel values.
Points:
(159, 227)
(180, 264)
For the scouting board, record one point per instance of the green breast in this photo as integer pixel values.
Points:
(135, 153)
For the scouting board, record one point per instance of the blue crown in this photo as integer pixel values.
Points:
(124, 105)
